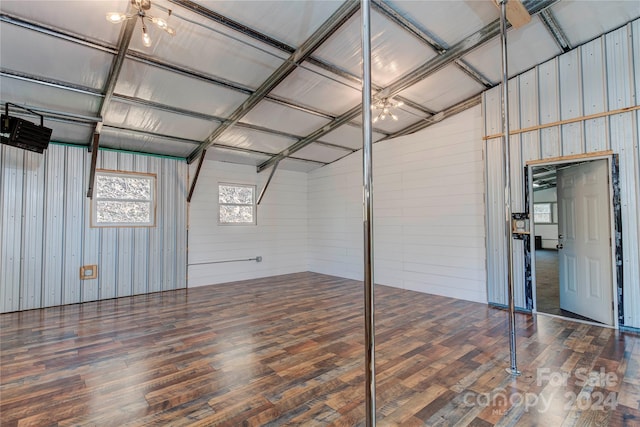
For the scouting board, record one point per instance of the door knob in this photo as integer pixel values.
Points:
(559, 246)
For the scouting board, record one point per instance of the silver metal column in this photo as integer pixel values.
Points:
(513, 369)
(367, 166)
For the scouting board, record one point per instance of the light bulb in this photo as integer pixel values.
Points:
(376, 119)
(383, 116)
(146, 40)
(171, 31)
(399, 104)
(394, 117)
(115, 17)
(160, 23)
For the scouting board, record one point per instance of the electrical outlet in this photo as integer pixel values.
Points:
(88, 272)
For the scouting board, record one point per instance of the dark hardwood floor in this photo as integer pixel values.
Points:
(288, 350)
(548, 286)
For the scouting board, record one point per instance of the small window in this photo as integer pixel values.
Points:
(542, 213)
(123, 199)
(236, 204)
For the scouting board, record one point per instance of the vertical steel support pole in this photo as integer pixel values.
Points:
(513, 369)
(367, 166)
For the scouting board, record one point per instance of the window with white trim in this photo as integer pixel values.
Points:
(123, 199)
(542, 213)
(236, 204)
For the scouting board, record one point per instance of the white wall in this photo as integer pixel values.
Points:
(280, 235)
(45, 235)
(428, 212)
(548, 232)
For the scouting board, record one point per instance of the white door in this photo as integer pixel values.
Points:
(584, 247)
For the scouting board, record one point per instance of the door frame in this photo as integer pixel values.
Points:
(614, 225)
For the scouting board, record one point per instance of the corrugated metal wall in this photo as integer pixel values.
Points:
(45, 234)
(600, 76)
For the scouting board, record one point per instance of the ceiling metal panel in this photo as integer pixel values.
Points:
(70, 133)
(443, 89)
(284, 119)
(206, 46)
(26, 93)
(298, 165)
(135, 141)
(348, 136)
(435, 17)
(155, 84)
(291, 22)
(254, 140)
(310, 87)
(234, 156)
(42, 55)
(321, 153)
(152, 120)
(394, 52)
(79, 17)
(602, 16)
(528, 46)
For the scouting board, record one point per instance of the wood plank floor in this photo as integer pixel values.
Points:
(288, 350)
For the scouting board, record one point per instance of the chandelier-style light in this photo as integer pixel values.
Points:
(143, 6)
(385, 107)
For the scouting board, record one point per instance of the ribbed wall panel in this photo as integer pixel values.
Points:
(46, 235)
(600, 76)
(31, 295)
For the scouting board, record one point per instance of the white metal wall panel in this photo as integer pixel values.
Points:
(140, 237)
(571, 106)
(594, 95)
(169, 207)
(155, 239)
(46, 234)
(31, 282)
(53, 261)
(549, 108)
(107, 268)
(12, 191)
(125, 242)
(593, 79)
(74, 195)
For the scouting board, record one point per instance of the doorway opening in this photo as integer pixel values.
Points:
(571, 212)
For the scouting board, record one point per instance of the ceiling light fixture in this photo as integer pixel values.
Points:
(143, 6)
(384, 107)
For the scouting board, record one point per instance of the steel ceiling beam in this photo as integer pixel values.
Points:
(430, 67)
(339, 17)
(50, 82)
(551, 24)
(112, 78)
